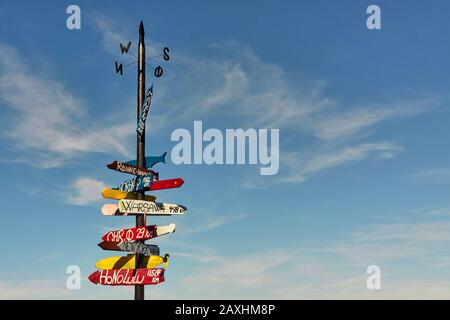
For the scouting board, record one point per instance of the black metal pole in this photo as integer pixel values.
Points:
(140, 157)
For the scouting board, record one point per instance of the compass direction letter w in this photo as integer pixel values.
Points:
(125, 49)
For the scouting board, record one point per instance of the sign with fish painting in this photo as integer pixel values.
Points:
(150, 161)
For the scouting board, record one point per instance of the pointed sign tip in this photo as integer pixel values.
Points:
(93, 277)
(141, 27)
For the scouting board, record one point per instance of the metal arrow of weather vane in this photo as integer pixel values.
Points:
(140, 266)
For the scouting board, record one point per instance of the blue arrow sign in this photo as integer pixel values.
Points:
(150, 161)
(137, 183)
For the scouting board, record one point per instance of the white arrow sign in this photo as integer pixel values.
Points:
(126, 207)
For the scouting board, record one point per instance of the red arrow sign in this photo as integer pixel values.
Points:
(132, 234)
(105, 245)
(165, 184)
(128, 277)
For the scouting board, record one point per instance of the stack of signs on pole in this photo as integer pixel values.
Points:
(143, 263)
(115, 270)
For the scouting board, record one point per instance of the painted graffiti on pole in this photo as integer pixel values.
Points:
(144, 113)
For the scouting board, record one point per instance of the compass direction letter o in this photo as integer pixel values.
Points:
(158, 71)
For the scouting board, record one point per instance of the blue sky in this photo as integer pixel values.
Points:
(362, 114)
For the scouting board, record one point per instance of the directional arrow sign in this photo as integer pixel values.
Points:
(128, 277)
(117, 194)
(147, 207)
(138, 247)
(126, 207)
(127, 168)
(135, 247)
(138, 183)
(165, 184)
(150, 161)
(146, 184)
(129, 262)
(132, 234)
(110, 209)
(139, 233)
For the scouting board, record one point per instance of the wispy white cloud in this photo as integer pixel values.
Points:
(331, 271)
(241, 85)
(390, 242)
(112, 34)
(85, 191)
(321, 271)
(300, 170)
(209, 222)
(33, 289)
(431, 175)
(344, 124)
(47, 124)
(255, 93)
(252, 270)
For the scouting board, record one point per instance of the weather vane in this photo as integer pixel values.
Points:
(157, 71)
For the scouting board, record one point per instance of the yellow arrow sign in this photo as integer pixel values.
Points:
(119, 195)
(129, 262)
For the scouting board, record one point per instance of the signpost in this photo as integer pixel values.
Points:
(138, 267)
(148, 184)
(147, 207)
(136, 184)
(165, 184)
(128, 168)
(128, 277)
(139, 233)
(129, 262)
(128, 246)
(140, 146)
(126, 207)
(150, 161)
(118, 195)
(131, 234)
(137, 247)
